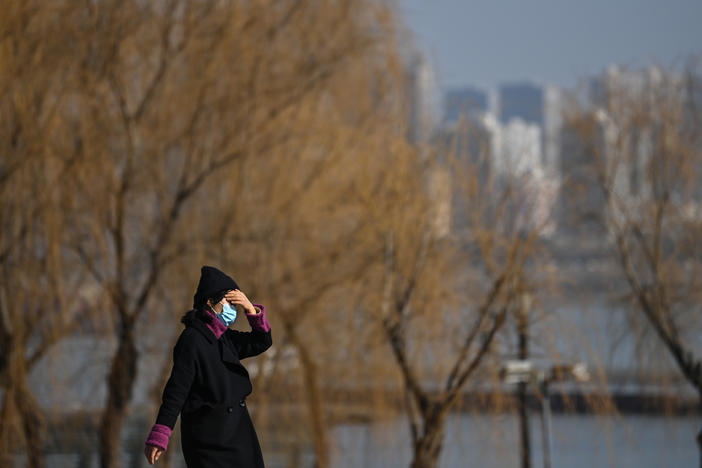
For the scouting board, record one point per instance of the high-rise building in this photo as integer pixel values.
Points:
(467, 101)
(424, 100)
(523, 101)
(552, 126)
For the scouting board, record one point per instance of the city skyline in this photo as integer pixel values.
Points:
(485, 44)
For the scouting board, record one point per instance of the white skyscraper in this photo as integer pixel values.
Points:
(553, 124)
(424, 98)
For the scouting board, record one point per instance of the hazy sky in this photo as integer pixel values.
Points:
(487, 42)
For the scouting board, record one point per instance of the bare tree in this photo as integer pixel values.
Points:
(646, 154)
(39, 291)
(179, 97)
(434, 286)
(299, 232)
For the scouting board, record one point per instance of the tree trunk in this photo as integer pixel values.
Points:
(119, 387)
(6, 427)
(427, 449)
(18, 397)
(314, 402)
(33, 424)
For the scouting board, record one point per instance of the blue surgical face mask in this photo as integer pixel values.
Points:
(228, 314)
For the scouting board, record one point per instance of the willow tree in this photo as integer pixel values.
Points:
(440, 299)
(167, 100)
(643, 137)
(39, 288)
(297, 229)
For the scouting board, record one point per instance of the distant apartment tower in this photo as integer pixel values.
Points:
(526, 108)
(424, 99)
(535, 105)
(423, 114)
(523, 101)
(521, 123)
(470, 148)
(466, 101)
(622, 142)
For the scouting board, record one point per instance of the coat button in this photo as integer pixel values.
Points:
(242, 403)
(230, 409)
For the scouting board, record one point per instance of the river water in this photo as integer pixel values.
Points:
(488, 441)
(72, 378)
(474, 440)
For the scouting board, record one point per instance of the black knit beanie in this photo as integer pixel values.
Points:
(212, 281)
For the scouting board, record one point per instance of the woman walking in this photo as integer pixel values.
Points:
(208, 384)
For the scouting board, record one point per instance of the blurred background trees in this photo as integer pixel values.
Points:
(646, 149)
(284, 142)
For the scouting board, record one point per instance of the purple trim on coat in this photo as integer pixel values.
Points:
(159, 435)
(217, 327)
(259, 321)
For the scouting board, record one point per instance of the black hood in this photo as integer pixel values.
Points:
(212, 282)
(199, 314)
(198, 319)
(189, 316)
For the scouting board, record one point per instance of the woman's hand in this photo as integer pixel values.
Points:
(152, 453)
(237, 297)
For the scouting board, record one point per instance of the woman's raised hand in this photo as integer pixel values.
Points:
(237, 297)
(152, 453)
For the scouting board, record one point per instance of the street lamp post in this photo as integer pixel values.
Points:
(523, 371)
(522, 319)
(546, 422)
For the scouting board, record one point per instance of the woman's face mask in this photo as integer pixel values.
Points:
(228, 314)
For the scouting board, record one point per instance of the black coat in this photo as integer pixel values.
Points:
(207, 386)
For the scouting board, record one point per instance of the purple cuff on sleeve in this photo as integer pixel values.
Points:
(259, 321)
(159, 436)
